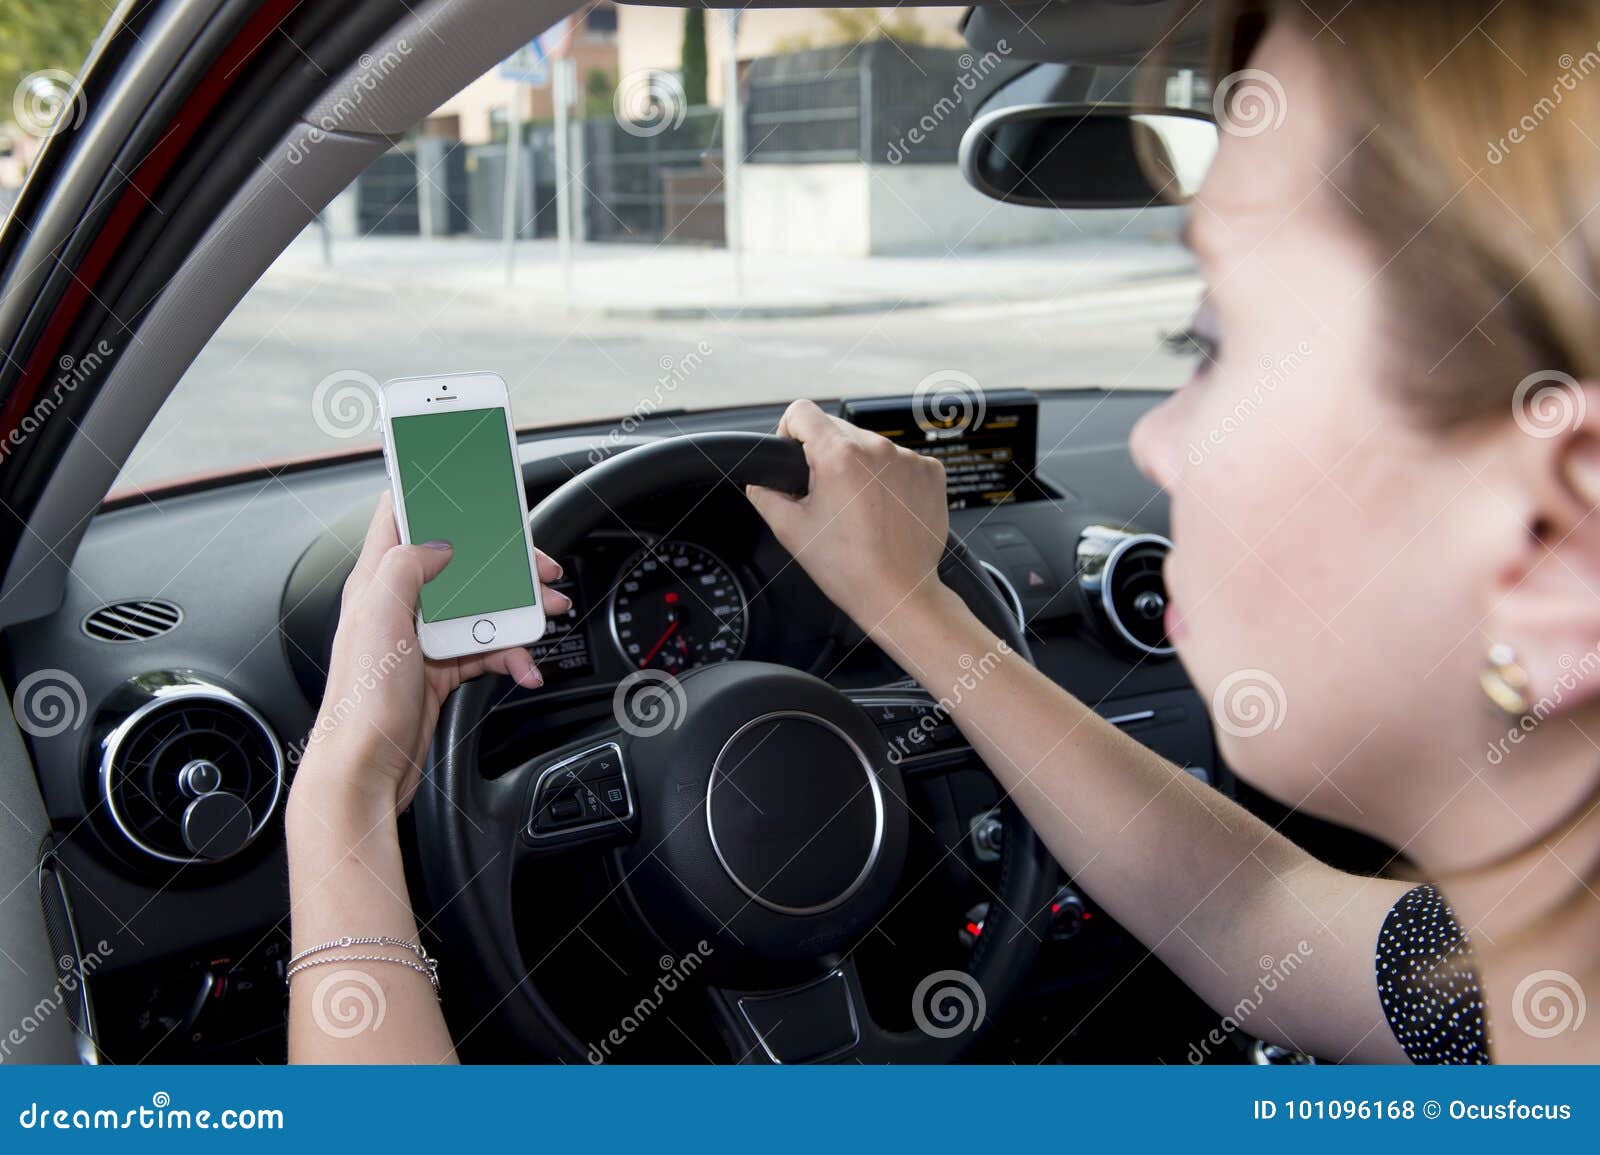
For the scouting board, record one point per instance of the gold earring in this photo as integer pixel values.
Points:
(1505, 682)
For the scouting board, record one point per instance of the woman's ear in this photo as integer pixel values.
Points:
(1546, 604)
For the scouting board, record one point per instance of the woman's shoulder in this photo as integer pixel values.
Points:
(1428, 982)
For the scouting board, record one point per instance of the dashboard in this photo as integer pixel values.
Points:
(226, 599)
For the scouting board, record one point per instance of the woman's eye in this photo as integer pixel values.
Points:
(1191, 342)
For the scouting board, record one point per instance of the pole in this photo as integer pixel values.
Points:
(513, 176)
(732, 151)
(561, 90)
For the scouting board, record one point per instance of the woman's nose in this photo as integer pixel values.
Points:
(1150, 444)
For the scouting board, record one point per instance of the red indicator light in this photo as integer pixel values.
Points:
(1055, 908)
(974, 929)
(672, 597)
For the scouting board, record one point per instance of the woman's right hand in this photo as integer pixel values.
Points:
(872, 528)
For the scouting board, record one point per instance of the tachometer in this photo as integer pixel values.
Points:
(678, 606)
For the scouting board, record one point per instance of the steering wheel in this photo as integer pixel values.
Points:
(758, 823)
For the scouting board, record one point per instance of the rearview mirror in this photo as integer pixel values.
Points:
(1089, 156)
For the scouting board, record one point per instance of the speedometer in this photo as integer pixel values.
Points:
(677, 606)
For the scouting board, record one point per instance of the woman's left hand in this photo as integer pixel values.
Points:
(383, 697)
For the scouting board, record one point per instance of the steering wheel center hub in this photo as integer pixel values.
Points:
(772, 822)
(795, 812)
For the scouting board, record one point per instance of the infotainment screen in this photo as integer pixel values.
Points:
(989, 442)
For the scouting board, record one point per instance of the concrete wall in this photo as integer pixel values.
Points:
(851, 209)
(806, 208)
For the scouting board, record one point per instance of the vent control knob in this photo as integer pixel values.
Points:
(199, 776)
(216, 825)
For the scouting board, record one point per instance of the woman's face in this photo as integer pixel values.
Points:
(1331, 560)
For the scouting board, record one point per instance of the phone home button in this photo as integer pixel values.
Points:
(483, 631)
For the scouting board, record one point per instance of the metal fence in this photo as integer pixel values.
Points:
(656, 182)
(865, 102)
(876, 102)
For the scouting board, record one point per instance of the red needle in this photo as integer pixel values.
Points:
(656, 649)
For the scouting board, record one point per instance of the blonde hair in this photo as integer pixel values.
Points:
(1473, 165)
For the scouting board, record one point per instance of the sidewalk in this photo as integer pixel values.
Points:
(670, 282)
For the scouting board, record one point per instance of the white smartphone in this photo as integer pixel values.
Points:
(451, 452)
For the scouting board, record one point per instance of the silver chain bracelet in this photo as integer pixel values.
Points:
(349, 941)
(428, 970)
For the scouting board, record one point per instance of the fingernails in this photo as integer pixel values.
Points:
(561, 570)
(1583, 472)
(535, 677)
(558, 601)
(436, 545)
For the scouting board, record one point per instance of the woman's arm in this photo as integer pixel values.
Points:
(361, 768)
(1217, 895)
(346, 878)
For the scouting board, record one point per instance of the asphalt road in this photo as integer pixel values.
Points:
(249, 398)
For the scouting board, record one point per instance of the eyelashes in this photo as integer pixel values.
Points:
(1190, 341)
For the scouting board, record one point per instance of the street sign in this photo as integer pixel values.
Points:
(527, 65)
(530, 64)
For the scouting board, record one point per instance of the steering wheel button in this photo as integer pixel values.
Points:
(565, 809)
(598, 767)
(613, 799)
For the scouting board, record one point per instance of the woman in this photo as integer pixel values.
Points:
(1397, 539)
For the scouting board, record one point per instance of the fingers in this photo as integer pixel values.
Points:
(804, 421)
(515, 663)
(553, 600)
(404, 569)
(382, 536)
(770, 503)
(549, 569)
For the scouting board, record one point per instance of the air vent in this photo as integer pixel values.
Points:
(192, 775)
(1121, 573)
(132, 621)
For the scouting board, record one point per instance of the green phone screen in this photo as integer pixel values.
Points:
(457, 476)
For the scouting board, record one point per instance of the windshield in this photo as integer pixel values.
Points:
(845, 255)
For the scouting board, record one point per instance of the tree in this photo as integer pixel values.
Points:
(694, 56)
(40, 37)
(598, 91)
